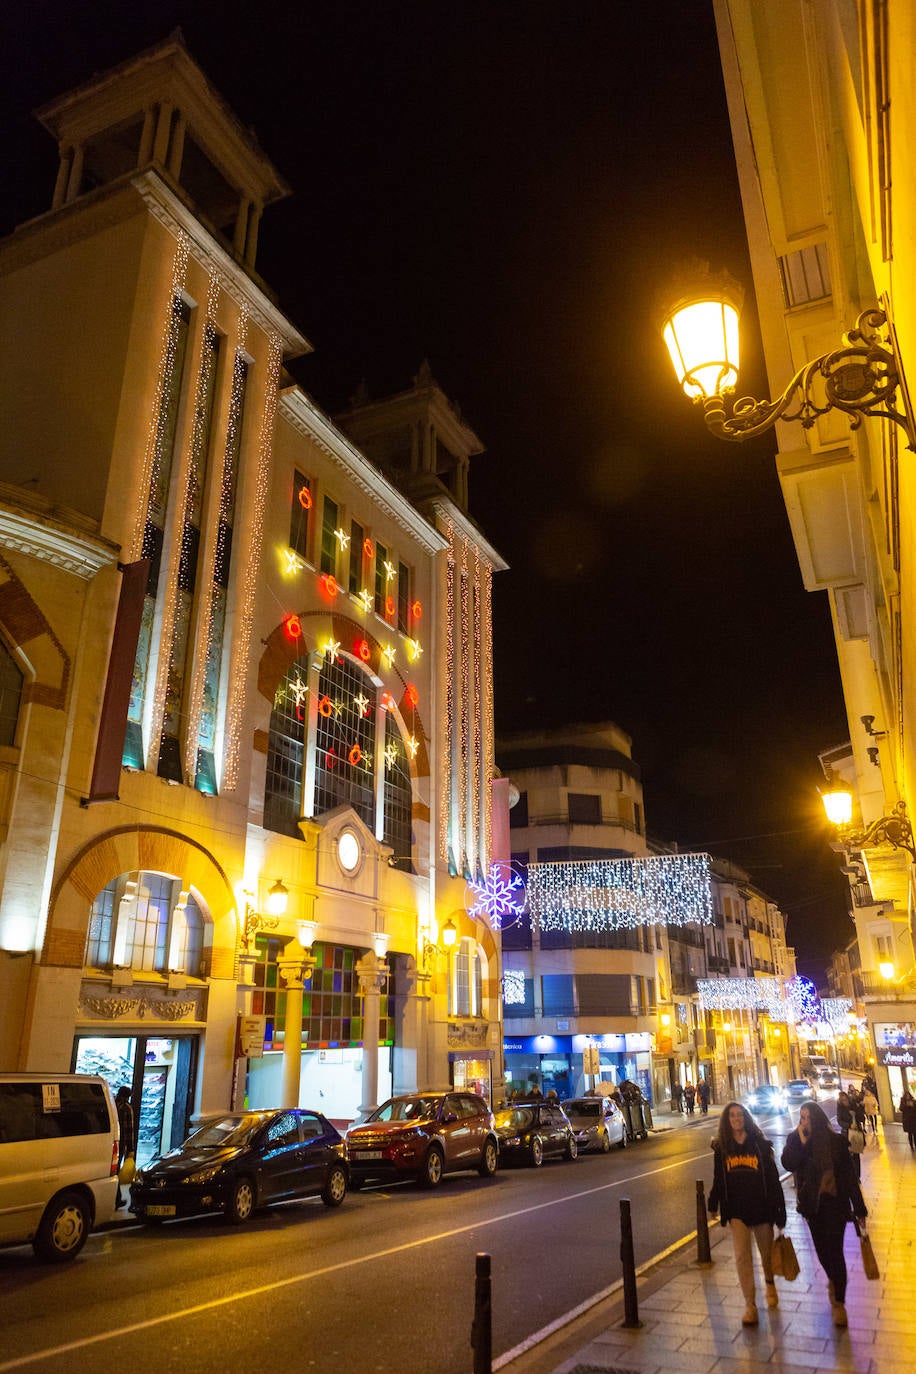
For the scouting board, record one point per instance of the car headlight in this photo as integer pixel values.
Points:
(204, 1175)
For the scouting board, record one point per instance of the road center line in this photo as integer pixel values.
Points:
(52, 1352)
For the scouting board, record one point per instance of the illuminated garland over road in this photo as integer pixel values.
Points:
(745, 994)
(621, 894)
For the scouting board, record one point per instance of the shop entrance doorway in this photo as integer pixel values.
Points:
(161, 1073)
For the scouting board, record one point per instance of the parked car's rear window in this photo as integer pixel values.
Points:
(518, 1118)
(83, 1111)
(407, 1109)
(582, 1108)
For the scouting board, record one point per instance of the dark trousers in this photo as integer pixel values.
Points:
(828, 1229)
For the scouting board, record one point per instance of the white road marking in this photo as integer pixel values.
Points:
(21, 1361)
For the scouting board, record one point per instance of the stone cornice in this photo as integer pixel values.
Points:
(176, 217)
(446, 511)
(38, 535)
(302, 413)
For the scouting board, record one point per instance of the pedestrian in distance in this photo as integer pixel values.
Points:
(677, 1097)
(908, 1117)
(703, 1095)
(846, 1121)
(828, 1195)
(870, 1108)
(125, 1133)
(690, 1097)
(747, 1194)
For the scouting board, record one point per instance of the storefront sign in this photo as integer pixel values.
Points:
(904, 1058)
(899, 1035)
(637, 1040)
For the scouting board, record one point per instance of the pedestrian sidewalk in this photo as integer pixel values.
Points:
(691, 1316)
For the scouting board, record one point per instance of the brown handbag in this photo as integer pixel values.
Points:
(869, 1263)
(784, 1259)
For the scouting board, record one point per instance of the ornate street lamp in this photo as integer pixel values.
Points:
(894, 829)
(701, 333)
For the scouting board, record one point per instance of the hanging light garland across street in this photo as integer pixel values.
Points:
(621, 894)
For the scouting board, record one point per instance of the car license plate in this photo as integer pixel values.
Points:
(370, 1154)
(160, 1210)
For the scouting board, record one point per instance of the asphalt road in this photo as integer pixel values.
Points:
(384, 1283)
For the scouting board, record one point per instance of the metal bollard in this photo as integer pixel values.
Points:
(628, 1260)
(704, 1256)
(482, 1328)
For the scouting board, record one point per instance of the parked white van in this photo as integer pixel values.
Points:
(58, 1160)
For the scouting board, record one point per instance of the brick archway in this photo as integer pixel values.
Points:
(153, 849)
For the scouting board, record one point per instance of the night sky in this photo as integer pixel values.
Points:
(502, 187)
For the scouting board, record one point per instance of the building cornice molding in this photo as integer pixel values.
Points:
(300, 411)
(463, 526)
(177, 218)
(38, 535)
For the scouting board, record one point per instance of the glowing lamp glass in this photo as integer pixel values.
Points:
(838, 805)
(702, 340)
(449, 934)
(277, 898)
(886, 969)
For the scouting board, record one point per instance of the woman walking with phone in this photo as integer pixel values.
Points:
(828, 1195)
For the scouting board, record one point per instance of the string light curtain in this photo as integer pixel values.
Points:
(621, 894)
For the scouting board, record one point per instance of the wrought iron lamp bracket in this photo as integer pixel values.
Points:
(894, 830)
(861, 378)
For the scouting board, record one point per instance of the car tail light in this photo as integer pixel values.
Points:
(114, 1159)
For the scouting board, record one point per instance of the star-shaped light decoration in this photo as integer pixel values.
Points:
(362, 704)
(390, 571)
(342, 538)
(412, 745)
(388, 653)
(499, 898)
(391, 755)
(414, 649)
(299, 690)
(365, 597)
(331, 648)
(294, 564)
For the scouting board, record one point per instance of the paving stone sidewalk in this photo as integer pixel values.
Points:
(692, 1316)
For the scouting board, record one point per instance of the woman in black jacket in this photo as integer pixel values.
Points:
(828, 1194)
(746, 1192)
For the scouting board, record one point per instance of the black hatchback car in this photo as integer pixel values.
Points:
(243, 1160)
(530, 1131)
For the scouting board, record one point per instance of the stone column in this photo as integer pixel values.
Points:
(295, 966)
(371, 971)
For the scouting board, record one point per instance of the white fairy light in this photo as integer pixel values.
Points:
(513, 987)
(463, 723)
(447, 773)
(236, 702)
(486, 649)
(836, 1012)
(616, 894)
(477, 801)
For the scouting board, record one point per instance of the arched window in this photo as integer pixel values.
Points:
(11, 679)
(466, 983)
(355, 763)
(345, 740)
(148, 922)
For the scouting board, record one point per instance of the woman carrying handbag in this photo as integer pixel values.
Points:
(829, 1195)
(747, 1194)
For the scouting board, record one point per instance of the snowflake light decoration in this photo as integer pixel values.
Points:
(513, 987)
(802, 996)
(499, 898)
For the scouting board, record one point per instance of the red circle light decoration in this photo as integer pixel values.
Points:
(305, 498)
(329, 582)
(389, 605)
(325, 707)
(367, 548)
(363, 651)
(292, 626)
(412, 695)
(355, 755)
(416, 610)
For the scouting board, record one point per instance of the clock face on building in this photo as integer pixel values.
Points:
(349, 853)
